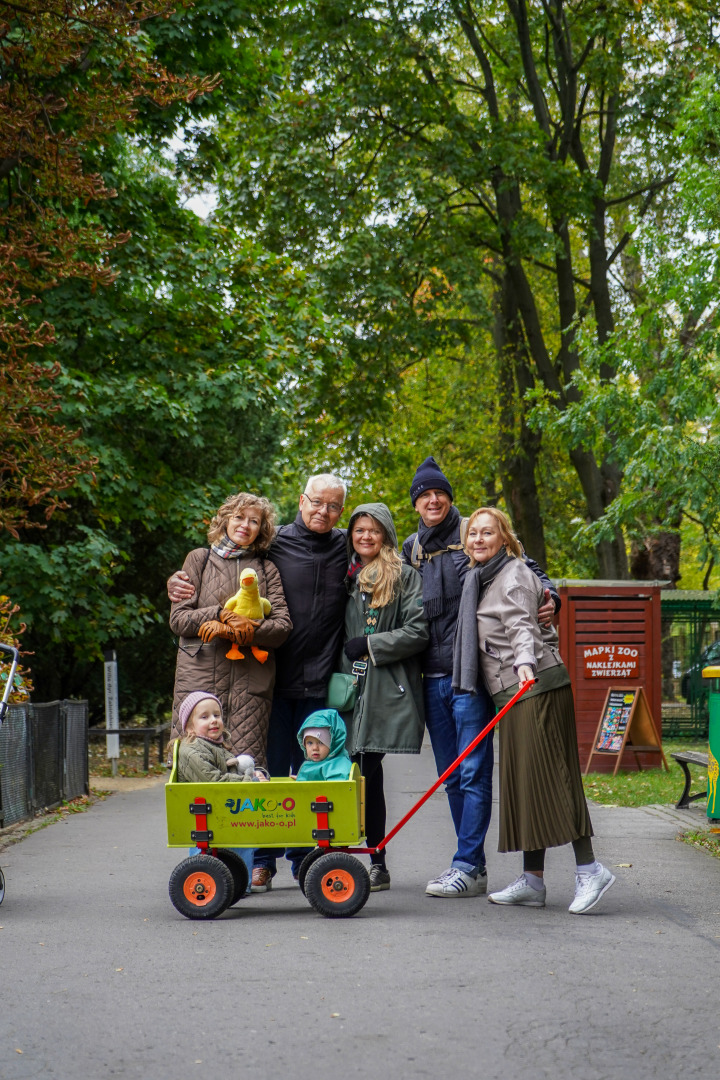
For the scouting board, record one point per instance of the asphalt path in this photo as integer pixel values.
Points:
(101, 977)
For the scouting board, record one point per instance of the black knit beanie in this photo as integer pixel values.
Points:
(429, 477)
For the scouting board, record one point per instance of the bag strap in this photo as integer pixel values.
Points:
(205, 562)
(417, 555)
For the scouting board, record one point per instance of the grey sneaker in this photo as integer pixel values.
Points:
(379, 878)
(519, 892)
(589, 889)
(456, 882)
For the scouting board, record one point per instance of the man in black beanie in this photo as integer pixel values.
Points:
(453, 720)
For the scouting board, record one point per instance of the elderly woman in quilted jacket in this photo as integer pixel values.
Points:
(239, 536)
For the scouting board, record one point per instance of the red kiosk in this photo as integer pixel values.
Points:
(610, 642)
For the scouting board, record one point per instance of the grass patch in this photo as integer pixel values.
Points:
(705, 841)
(649, 786)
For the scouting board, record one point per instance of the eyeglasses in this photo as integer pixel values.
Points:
(375, 533)
(318, 504)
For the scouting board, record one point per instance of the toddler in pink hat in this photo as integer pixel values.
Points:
(204, 752)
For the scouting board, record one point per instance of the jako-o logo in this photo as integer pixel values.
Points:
(236, 806)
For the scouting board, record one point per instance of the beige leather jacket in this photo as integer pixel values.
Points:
(508, 631)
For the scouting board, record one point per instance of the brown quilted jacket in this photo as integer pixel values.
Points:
(245, 687)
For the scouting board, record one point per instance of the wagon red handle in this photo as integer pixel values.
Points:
(451, 768)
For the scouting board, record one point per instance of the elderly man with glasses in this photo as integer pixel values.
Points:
(311, 555)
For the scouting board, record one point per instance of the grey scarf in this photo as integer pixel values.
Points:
(465, 648)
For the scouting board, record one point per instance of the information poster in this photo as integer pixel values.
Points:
(615, 719)
(625, 724)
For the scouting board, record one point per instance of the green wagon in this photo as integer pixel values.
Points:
(329, 814)
(280, 813)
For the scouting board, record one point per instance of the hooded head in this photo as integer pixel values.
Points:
(381, 514)
(337, 765)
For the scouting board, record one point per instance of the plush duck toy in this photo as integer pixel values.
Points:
(247, 601)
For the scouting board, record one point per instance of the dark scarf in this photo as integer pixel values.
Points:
(441, 582)
(465, 649)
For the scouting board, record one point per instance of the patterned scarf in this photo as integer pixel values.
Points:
(228, 549)
(355, 566)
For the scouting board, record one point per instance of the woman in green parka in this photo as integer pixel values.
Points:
(386, 629)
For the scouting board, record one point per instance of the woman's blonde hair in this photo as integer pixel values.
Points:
(235, 503)
(381, 576)
(513, 547)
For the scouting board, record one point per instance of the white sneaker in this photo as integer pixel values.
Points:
(589, 889)
(456, 882)
(519, 892)
(440, 878)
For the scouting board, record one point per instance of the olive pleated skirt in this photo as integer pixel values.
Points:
(542, 803)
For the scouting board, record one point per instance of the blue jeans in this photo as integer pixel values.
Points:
(453, 721)
(285, 756)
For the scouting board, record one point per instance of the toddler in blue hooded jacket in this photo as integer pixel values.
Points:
(322, 737)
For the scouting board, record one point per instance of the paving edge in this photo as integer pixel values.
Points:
(15, 833)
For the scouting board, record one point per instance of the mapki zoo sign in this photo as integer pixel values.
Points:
(611, 661)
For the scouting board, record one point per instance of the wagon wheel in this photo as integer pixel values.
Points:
(2, 887)
(337, 885)
(310, 858)
(201, 887)
(239, 871)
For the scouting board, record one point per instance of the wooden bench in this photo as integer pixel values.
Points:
(147, 734)
(684, 759)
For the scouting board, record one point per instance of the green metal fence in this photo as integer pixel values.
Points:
(690, 641)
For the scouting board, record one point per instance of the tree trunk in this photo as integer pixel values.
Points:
(519, 446)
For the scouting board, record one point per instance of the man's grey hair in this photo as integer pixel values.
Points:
(326, 480)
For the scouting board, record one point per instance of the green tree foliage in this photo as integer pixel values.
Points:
(178, 376)
(509, 150)
(661, 409)
(180, 372)
(69, 76)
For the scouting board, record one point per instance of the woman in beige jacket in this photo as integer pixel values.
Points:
(499, 639)
(239, 535)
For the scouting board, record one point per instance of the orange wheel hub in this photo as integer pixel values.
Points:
(199, 889)
(338, 886)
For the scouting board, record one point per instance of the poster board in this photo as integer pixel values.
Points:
(625, 723)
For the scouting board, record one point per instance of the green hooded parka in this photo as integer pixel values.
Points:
(389, 717)
(337, 765)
